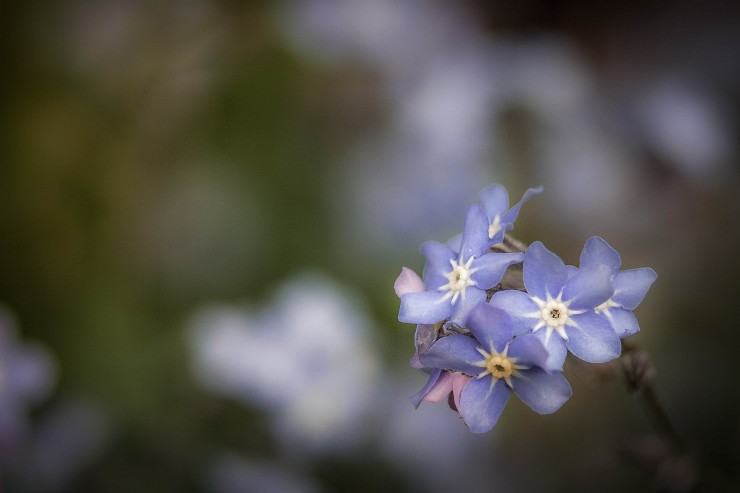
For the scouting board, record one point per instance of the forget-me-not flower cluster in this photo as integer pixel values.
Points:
(482, 340)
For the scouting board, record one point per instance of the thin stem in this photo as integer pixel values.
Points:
(639, 373)
(509, 245)
(515, 244)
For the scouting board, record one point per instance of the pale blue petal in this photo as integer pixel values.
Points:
(454, 352)
(455, 243)
(427, 307)
(623, 322)
(630, 286)
(438, 264)
(556, 349)
(463, 305)
(544, 392)
(490, 268)
(544, 272)
(528, 350)
(490, 325)
(494, 200)
(598, 252)
(519, 306)
(589, 288)
(512, 214)
(594, 340)
(475, 234)
(481, 406)
(419, 396)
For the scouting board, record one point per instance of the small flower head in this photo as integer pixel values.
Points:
(559, 307)
(499, 365)
(456, 280)
(630, 286)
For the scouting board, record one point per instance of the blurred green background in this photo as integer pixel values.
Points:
(158, 157)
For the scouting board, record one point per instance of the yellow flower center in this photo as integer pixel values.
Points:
(499, 366)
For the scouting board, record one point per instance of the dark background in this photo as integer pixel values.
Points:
(159, 157)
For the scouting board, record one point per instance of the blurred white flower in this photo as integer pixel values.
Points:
(686, 127)
(306, 357)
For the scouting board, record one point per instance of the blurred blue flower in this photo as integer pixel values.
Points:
(563, 300)
(500, 364)
(630, 286)
(27, 375)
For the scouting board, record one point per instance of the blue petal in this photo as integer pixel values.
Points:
(544, 392)
(475, 234)
(529, 351)
(512, 214)
(623, 322)
(598, 252)
(494, 200)
(492, 266)
(454, 352)
(455, 243)
(419, 396)
(438, 265)
(491, 326)
(519, 306)
(556, 349)
(630, 286)
(594, 340)
(462, 308)
(480, 405)
(589, 288)
(427, 307)
(544, 272)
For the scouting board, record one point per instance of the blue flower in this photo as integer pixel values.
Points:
(630, 286)
(500, 364)
(456, 280)
(559, 306)
(494, 202)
